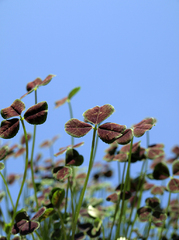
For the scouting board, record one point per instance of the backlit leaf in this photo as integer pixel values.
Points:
(77, 128)
(73, 92)
(2, 166)
(9, 128)
(173, 185)
(33, 84)
(14, 110)
(73, 157)
(175, 167)
(108, 132)
(98, 114)
(126, 137)
(60, 102)
(47, 80)
(39, 213)
(56, 196)
(143, 126)
(48, 212)
(29, 227)
(37, 114)
(62, 173)
(161, 171)
(144, 213)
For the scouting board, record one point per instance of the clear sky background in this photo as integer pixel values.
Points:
(121, 52)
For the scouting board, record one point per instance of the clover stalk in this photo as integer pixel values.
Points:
(77, 211)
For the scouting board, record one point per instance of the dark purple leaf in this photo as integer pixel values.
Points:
(29, 227)
(79, 236)
(98, 114)
(152, 202)
(173, 185)
(161, 171)
(3, 152)
(73, 92)
(144, 213)
(21, 215)
(77, 128)
(60, 102)
(73, 157)
(127, 195)
(109, 132)
(14, 110)
(17, 238)
(175, 167)
(158, 217)
(126, 137)
(84, 226)
(37, 114)
(9, 128)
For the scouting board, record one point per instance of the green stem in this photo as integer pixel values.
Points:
(77, 211)
(127, 180)
(63, 226)
(24, 177)
(71, 116)
(160, 237)
(5, 183)
(31, 159)
(38, 235)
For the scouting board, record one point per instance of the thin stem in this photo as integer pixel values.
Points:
(160, 237)
(24, 177)
(77, 211)
(38, 235)
(71, 116)
(124, 190)
(63, 226)
(5, 183)
(31, 159)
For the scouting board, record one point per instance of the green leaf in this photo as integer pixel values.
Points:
(2, 166)
(98, 114)
(47, 80)
(77, 128)
(73, 92)
(9, 128)
(56, 196)
(48, 212)
(14, 110)
(37, 114)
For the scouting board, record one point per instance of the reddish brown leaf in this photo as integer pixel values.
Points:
(98, 114)
(77, 128)
(9, 128)
(108, 132)
(14, 110)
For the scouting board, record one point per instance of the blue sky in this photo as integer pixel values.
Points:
(124, 53)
